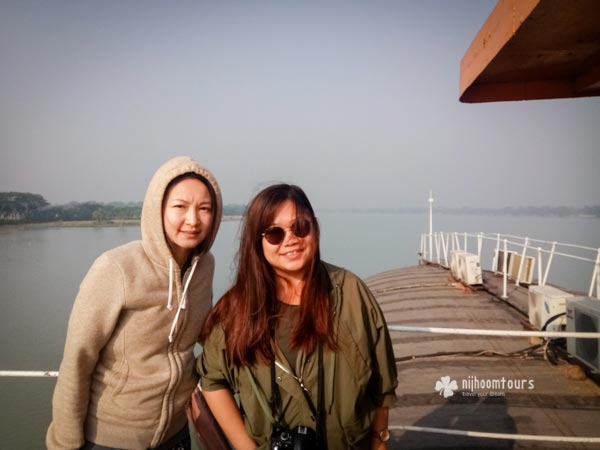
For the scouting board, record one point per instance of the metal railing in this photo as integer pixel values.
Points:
(437, 248)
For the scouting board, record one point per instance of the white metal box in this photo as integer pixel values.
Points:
(469, 268)
(454, 265)
(583, 315)
(526, 271)
(546, 302)
(500, 261)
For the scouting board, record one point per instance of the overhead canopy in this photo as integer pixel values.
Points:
(534, 49)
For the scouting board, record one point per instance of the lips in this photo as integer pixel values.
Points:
(293, 253)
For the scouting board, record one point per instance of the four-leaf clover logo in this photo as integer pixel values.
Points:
(446, 386)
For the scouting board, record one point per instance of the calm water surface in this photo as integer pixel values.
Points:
(40, 271)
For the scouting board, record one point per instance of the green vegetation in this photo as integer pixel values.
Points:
(20, 208)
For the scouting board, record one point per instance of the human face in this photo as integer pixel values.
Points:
(187, 217)
(291, 258)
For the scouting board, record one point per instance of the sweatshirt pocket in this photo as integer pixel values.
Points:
(118, 378)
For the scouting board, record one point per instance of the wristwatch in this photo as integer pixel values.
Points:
(382, 435)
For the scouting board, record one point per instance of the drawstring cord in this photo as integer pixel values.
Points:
(170, 301)
(182, 303)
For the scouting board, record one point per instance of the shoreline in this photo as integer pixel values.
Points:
(86, 224)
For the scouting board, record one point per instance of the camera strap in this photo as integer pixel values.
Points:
(317, 411)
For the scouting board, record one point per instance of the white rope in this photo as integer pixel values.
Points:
(505, 333)
(480, 434)
(28, 373)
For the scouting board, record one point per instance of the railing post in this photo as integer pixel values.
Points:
(430, 200)
(549, 263)
(598, 281)
(437, 247)
(479, 245)
(496, 256)
(430, 248)
(445, 248)
(504, 270)
(539, 257)
(465, 241)
(596, 277)
(522, 262)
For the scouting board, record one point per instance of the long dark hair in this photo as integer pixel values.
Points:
(249, 308)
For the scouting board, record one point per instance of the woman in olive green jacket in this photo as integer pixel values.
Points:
(304, 344)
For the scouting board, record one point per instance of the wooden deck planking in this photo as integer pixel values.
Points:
(429, 296)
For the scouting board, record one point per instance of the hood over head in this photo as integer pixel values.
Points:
(154, 240)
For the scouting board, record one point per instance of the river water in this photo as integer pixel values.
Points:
(40, 271)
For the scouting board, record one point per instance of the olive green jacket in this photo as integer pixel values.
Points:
(359, 377)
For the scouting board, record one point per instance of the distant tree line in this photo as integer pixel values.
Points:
(23, 207)
(560, 211)
(556, 211)
(20, 207)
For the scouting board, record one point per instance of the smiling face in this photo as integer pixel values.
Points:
(187, 217)
(292, 257)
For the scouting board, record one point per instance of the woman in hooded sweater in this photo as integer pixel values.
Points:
(128, 365)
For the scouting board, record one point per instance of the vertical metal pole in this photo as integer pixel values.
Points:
(548, 263)
(445, 249)
(596, 277)
(430, 225)
(496, 256)
(479, 245)
(539, 250)
(465, 241)
(522, 262)
(598, 281)
(504, 269)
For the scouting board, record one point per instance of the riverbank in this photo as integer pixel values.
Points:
(86, 224)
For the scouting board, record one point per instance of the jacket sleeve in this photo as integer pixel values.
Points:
(385, 377)
(212, 365)
(93, 318)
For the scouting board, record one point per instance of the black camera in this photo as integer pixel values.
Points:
(300, 438)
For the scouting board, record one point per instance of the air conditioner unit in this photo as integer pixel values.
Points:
(469, 268)
(500, 261)
(583, 315)
(454, 268)
(526, 271)
(546, 302)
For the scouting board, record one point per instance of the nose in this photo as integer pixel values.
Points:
(191, 216)
(290, 237)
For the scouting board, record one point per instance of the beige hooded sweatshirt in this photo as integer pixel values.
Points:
(128, 364)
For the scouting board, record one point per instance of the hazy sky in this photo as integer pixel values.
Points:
(357, 102)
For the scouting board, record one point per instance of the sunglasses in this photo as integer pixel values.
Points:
(275, 235)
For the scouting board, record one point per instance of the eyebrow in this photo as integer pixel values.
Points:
(177, 199)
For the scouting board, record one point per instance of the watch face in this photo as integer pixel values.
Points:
(384, 435)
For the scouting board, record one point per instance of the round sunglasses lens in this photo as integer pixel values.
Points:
(275, 235)
(302, 228)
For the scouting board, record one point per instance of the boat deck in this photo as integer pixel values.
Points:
(536, 397)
